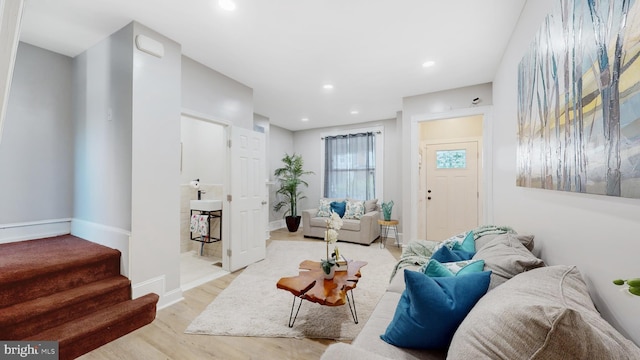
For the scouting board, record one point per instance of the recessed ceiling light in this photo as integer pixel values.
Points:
(228, 5)
(327, 86)
(304, 119)
(428, 63)
(354, 112)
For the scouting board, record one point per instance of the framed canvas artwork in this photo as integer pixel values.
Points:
(579, 100)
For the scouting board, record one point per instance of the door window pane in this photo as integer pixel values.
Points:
(451, 159)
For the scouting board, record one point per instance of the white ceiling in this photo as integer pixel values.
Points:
(286, 50)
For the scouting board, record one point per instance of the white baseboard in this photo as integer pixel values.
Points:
(157, 285)
(34, 230)
(278, 224)
(170, 298)
(203, 280)
(109, 236)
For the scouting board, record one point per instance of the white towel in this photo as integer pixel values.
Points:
(203, 225)
(194, 223)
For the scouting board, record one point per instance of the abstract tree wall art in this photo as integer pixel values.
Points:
(579, 100)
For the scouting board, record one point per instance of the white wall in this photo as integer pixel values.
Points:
(308, 143)
(203, 151)
(219, 97)
(599, 234)
(36, 155)
(447, 129)
(280, 142)
(127, 157)
(102, 102)
(155, 202)
(102, 106)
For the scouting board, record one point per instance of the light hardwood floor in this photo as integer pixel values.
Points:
(164, 338)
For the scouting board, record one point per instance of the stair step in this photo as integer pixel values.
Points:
(36, 268)
(82, 335)
(23, 319)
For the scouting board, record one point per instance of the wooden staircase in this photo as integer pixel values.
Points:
(68, 290)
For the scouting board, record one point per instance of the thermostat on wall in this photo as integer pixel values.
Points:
(150, 46)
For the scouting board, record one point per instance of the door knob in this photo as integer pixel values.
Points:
(264, 203)
(429, 191)
(429, 198)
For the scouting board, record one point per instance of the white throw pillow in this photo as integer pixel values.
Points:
(355, 209)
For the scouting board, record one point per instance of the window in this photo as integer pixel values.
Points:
(350, 166)
(451, 159)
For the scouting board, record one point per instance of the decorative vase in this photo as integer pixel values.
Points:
(386, 210)
(293, 223)
(331, 274)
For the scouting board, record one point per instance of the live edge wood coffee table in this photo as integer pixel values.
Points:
(311, 285)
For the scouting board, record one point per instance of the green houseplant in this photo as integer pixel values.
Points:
(289, 178)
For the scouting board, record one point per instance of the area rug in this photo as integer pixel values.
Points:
(252, 305)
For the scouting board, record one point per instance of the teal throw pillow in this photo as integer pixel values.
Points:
(339, 207)
(468, 244)
(431, 309)
(444, 254)
(436, 269)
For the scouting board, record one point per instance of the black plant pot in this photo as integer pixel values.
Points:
(293, 222)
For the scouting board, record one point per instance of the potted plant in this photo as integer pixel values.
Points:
(290, 179)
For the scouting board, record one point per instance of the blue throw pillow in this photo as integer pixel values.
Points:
(431, 309)
(339, 207)
(444, 254)
(468, 244)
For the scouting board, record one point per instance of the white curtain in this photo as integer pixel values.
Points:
(350, 162)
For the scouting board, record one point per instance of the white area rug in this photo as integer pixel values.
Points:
(252, 305)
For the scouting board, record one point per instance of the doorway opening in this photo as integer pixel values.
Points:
(450, 178)
(202, 237)
(451, 186)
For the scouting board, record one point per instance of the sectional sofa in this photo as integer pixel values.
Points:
(531, 311)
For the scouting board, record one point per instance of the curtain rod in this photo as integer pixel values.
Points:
(373, 132)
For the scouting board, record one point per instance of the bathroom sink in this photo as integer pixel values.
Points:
(206, 205)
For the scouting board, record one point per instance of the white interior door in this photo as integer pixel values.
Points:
(452, 189)
(248, 198)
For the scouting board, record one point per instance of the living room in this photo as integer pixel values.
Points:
(594, 232)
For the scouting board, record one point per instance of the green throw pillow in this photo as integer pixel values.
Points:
(434, 268)
(468, 244)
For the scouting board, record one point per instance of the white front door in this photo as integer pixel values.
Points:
(451, 189)
(247, 243)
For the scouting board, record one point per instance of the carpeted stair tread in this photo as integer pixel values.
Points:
(50, 254)
(94, 330)
(36, 268)
(20, 320)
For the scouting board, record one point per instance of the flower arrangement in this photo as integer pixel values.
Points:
(334, 223)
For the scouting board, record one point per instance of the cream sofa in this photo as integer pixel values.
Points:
(363, 231)
(531, 311)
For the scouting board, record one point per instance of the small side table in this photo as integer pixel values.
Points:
(385, 225)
